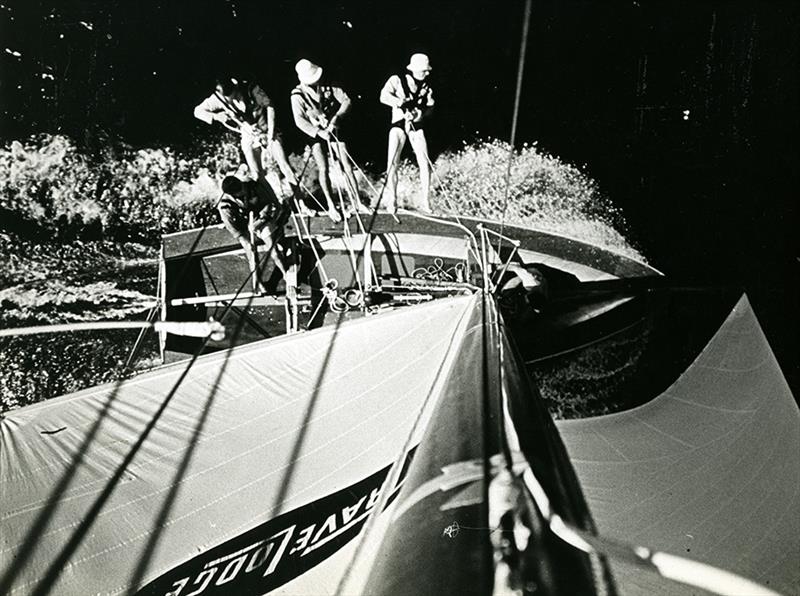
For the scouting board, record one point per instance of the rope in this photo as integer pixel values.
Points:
(304, 224)
(439, 181)
(472, 247)
(351, 192)
(346, 237)
(363, 175)
(437, 272)
(322, 207)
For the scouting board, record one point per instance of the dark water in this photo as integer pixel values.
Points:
(731, 226)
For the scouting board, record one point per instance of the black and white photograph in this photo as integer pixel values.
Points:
(348, 297)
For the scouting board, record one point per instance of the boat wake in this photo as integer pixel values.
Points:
(57, 300)
(48, 283)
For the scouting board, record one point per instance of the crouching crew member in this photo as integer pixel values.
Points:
(318, 108)
(411, 99)
(250, 209)
(246, 109)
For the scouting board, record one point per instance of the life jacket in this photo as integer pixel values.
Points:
(327, 105)
(252, 201)
(251, 107)
(418, 98)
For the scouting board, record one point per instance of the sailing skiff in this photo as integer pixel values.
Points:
(399, 446)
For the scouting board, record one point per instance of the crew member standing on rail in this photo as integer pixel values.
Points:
(411, 99)
(246, 109)
(248, 209)
(318, 109)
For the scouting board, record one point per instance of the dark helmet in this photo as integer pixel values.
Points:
(232, 185)
(227, 85)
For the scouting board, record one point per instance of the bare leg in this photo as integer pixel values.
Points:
(347, 169)
(252, 156)
(322, 169)
(276, 149)
(267, 235)
(255, 275)
(397, 140)
(275, 183)
(420, 146)
(271, 173)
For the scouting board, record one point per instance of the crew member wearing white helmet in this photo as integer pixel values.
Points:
(411, 99)
(246, 109)
(318, 109)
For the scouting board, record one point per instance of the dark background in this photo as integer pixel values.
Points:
(686, 113)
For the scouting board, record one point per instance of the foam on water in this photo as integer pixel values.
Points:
(543, 192)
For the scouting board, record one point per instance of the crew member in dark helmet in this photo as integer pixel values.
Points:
(248, 209)
(411, 99)
(318, 108)
(246, 109)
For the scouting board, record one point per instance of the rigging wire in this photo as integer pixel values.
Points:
(140, 338)
(350, 190)
(346, 235)
(515, 117)
(378, 194)
(495, 320)
(514, 120)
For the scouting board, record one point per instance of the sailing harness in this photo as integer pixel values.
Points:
(243, 116)
(321, 109)
(416, 99)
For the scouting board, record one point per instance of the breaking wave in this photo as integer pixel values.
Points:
(543, 192)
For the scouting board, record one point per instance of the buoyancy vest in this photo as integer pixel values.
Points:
(327, 104)
(253, 108)
(255, 199)
(414, 99)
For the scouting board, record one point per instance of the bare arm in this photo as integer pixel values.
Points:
(344, 102)
(262, 110)
(428, 109)
(231, 218)
(391, 94)
(301, 118)
(212, 110)
(209, 110)
(429, 98)
(270, 123)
